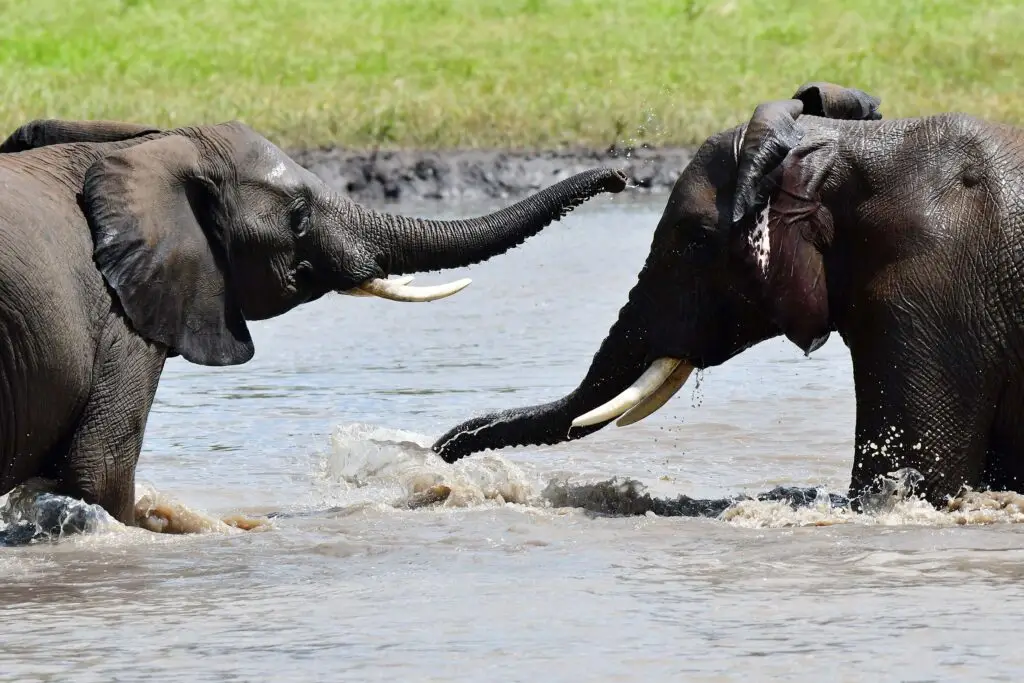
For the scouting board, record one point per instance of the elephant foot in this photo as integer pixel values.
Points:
(34, 515)
(160, 516)
(426, 498)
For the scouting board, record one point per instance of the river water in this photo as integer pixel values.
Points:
(327, 424)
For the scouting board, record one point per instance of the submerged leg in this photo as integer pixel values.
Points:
(100, 464)
(919, 410)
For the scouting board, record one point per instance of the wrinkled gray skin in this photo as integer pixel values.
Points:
(122, 245)
(904, 236)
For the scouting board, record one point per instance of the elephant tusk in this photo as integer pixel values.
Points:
(395, 290)
(358, 291)
(649, 382)
(660, 397)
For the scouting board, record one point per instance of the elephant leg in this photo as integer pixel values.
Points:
(917, 409)
(99, 466)
(1004, 468)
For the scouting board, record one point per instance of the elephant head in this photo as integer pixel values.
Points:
(734, 260)
(198, 230)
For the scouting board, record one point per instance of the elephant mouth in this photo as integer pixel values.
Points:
(653, 389)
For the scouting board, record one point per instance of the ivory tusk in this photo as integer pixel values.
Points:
(659, 398)
(398, 291)
(357, 291)
(652, 378)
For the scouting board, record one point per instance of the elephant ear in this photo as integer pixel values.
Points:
(833, 101)
(764, 143)
(773, 226)
(784, 241)
(772, 132)
(168, 272)
(777, 203)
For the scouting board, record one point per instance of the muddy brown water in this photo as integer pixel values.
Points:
(326, 425)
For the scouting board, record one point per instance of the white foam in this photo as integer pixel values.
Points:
(38, 511)
(389, 468)
(372, 466)
(972, 508)
(158, 512)
(368, 464)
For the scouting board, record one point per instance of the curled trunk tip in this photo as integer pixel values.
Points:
(410, 245)
(617, 182)
(620, 359)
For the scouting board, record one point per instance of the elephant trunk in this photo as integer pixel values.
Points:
(409, 245)
(622, 356)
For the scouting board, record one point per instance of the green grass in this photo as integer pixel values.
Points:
(496, 73)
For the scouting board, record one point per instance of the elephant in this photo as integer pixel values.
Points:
(905, 236)
(122, 245)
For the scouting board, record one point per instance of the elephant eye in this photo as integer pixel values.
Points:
(299, 218)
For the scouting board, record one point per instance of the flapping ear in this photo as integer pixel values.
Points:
(780, 220)
(785, 242)
(766, 140)
(169, 272)
(772, 133)
(836, 102)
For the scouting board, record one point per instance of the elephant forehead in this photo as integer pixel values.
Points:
(268, 163)
(280, 172)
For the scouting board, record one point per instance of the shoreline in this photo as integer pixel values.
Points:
(391, 176)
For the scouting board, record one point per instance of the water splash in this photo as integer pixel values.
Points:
(377, 467)
(371, 465)
(160, 513)
(33, 513)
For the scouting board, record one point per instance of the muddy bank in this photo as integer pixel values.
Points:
(404, 175)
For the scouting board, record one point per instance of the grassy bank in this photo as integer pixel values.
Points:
(496, 73)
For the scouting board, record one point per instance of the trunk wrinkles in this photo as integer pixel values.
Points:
(403, 244)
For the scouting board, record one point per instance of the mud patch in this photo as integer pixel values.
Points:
(404, 175)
